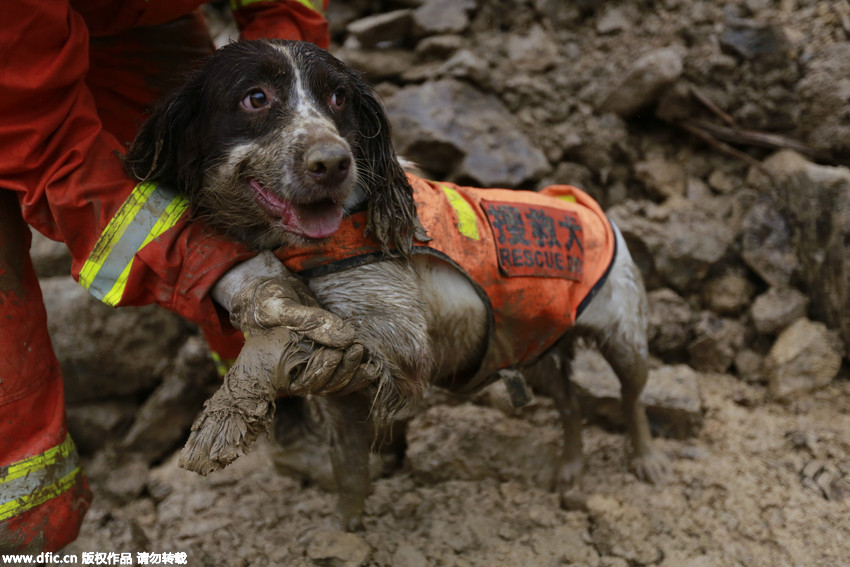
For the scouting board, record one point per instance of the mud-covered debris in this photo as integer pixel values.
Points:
(164, 419)
(777, 308)
(728, 294)
(671, 321)
(484, 143)
(435, 17)
(338, 549)
(752, 40)
(661, 176)
(107, 353)
(766, 243)
(94, 424)
(716, 342)
(804, 357)
(672, 396)
(386, 27)
(643, 83)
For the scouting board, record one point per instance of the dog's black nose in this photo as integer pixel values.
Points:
(328, 163)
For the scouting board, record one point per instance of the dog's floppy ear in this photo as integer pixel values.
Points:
(165, 148)
(391, 210)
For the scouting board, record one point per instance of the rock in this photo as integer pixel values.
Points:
(728, 294)
(670, 322)
(483, 143)
(644, 83)
(378, 64)
(385, 27)
(338, 549)
(672, 397)
(752, 40)
(615, 19)
(408, 556)
(435, 17)
(804, 357)
(723, 182)
(439, 47)
(766, 243)
(777, 308)
(678, 242)
(468, 442)
(716, 342)
(50, 258)
(673, 401)
(163, 421)
(534, 52)
(94, 424)
(105, 352)
(815, 201)
(749, 366)
(662, 177)
(823, 90)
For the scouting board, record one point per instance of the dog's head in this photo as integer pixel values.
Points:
(272, 141)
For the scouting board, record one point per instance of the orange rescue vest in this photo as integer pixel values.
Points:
(536, 259)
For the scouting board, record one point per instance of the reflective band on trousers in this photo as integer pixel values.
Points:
(148, 212)
(37, 479)
(315, 5)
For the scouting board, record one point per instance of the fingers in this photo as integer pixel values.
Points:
(274, 306)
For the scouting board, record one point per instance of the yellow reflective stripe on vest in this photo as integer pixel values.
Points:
(315, 5)
(148, 212)
(37, 479)
(467, 224)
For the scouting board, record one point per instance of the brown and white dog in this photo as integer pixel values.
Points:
(278, 143)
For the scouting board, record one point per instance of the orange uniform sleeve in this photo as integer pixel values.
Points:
(130, 244)
(283, 19)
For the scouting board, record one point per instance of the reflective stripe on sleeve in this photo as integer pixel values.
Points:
(315, 5)
(222, 365)
(149, 211)
(467, 224)
(37, 479)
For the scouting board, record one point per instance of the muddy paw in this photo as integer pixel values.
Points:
(650, 467)
(219, 438)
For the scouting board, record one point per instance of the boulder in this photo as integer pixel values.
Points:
(483, 144)
(469, 442)
(671, 320)
(435, 17)
(671, 396)
(804, 357)
(729, 293)
(386, 27)
(716, 342)
(777, 308)
(104, 352)
(677, 242)
(643, 83)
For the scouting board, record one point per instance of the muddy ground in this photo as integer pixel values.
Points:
(559, 91)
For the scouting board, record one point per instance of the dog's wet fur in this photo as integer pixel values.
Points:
(272, 141)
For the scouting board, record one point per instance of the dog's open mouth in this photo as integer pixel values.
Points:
(319, 219)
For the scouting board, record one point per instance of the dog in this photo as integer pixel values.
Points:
(282, 146)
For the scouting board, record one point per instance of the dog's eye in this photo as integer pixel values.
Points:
(337, 99)
(255, 100)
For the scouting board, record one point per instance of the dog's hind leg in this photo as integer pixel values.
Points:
(351, 436)
(551, 375)
(617, 320)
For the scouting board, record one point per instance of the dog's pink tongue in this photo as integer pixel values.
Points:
(317, 220)
(313, 220)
